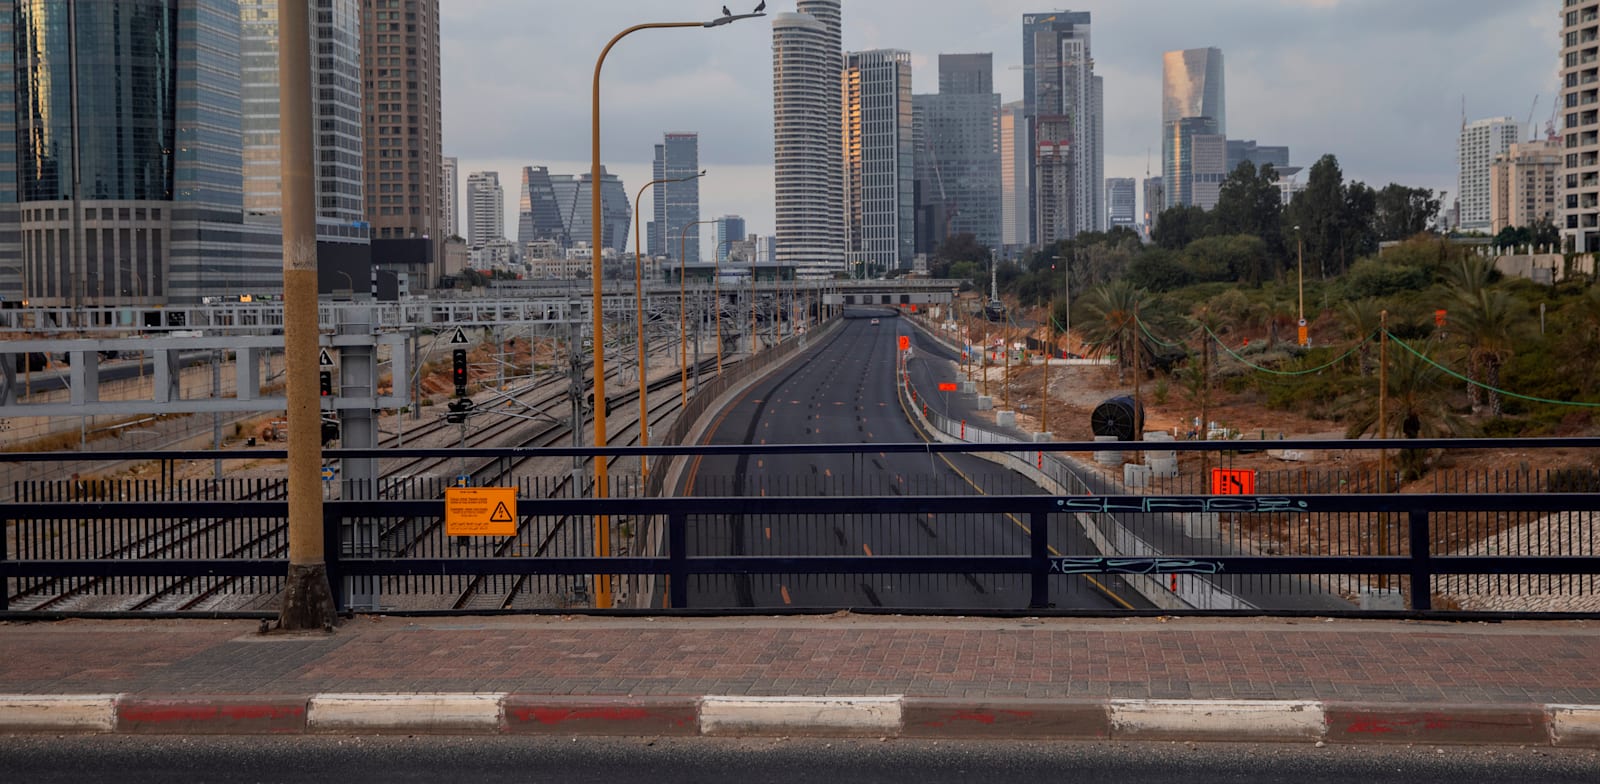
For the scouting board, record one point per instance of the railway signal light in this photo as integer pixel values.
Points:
(330, 430)
(459, 410)
(458, 360)
(325, 382)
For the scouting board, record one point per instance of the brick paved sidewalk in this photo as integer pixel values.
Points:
(1417, 663)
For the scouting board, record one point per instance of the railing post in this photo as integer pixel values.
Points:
(1421, 561)
(1039, 576)
(332, 542)
(678, 560)
(5, 565)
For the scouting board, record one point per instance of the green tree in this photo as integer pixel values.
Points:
(1317, 213)
(1181, 225)
(1361, 319)
(1359, 235)
(1486, 326)
(1404, 212)
(1251, 203)
(1243, 258)
(1111, 322)
(1159, 269)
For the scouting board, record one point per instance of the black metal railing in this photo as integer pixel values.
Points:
(825, 544)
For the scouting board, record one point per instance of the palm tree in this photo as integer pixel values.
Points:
(1361, 318)
(1113, 320)
(1417, 406)
(1486, 328)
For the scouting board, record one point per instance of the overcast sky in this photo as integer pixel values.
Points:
(1378, 83)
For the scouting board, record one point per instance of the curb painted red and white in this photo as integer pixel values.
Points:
(1288, 721)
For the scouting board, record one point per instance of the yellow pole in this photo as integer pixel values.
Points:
(602, 541)
(307, 596)
(638, 318)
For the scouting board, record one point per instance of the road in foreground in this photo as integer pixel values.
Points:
(390, 759)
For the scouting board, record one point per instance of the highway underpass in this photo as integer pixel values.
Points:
(842, 391)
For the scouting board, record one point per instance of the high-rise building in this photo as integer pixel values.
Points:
(676, 204)
(403, 118)
(1481, 142)
(1121, 196)
(808, 158)
(486, 209)
(538, 214)
(880, 226)
(1154, 198)
(1016, 166)
(1524, 185)
(730, 229)
(1199, 162)
(1241, 150)
(958, 154)
(336, 69)
(574, 202)
(1580, 95)
(1056, 198)
(450, 186)
(1061, 89)
(1193, 104)
(112, 96)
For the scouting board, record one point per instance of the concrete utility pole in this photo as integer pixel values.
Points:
(307, 597)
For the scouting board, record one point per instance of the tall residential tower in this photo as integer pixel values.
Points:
(808, 159)
(1580, 95)
(403, 117)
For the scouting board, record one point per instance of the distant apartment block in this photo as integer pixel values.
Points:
(451, 186)
(808, 147)
(1122, 201)
(1016, 221)
(486, 209)
(1580, 100)
(676, 204)
(1480, 143)
(880, 223)
(1525, 185)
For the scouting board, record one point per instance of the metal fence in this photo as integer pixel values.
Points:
(811, 543)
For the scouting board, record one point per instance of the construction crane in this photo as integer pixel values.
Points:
(1550, 124)
(1533, 130)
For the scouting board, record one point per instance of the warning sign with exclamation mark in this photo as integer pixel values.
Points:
(480, 511)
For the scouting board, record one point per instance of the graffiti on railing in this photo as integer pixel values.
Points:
(1236, 503)
(1100, 565)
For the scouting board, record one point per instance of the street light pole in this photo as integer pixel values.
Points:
(597, 272)
(638, 317)
(683, 309)
(1300, 254)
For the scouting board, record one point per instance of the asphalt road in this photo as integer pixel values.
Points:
(842, 391)
(398, 759)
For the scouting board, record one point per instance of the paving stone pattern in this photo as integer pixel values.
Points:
(1379, 661)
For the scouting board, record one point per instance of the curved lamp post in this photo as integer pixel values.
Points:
(638, 316)
(597, 271)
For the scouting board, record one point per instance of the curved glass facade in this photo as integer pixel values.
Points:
(127, 71)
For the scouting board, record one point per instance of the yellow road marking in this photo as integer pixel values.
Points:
(867, 549)
(769, 532)
(761, 463)
(784, 589)
(828, 472)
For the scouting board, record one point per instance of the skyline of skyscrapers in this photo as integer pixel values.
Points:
(730, 229)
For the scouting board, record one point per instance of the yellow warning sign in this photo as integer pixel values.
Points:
(480, 511)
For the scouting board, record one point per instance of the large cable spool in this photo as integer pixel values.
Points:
(1120, 417)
